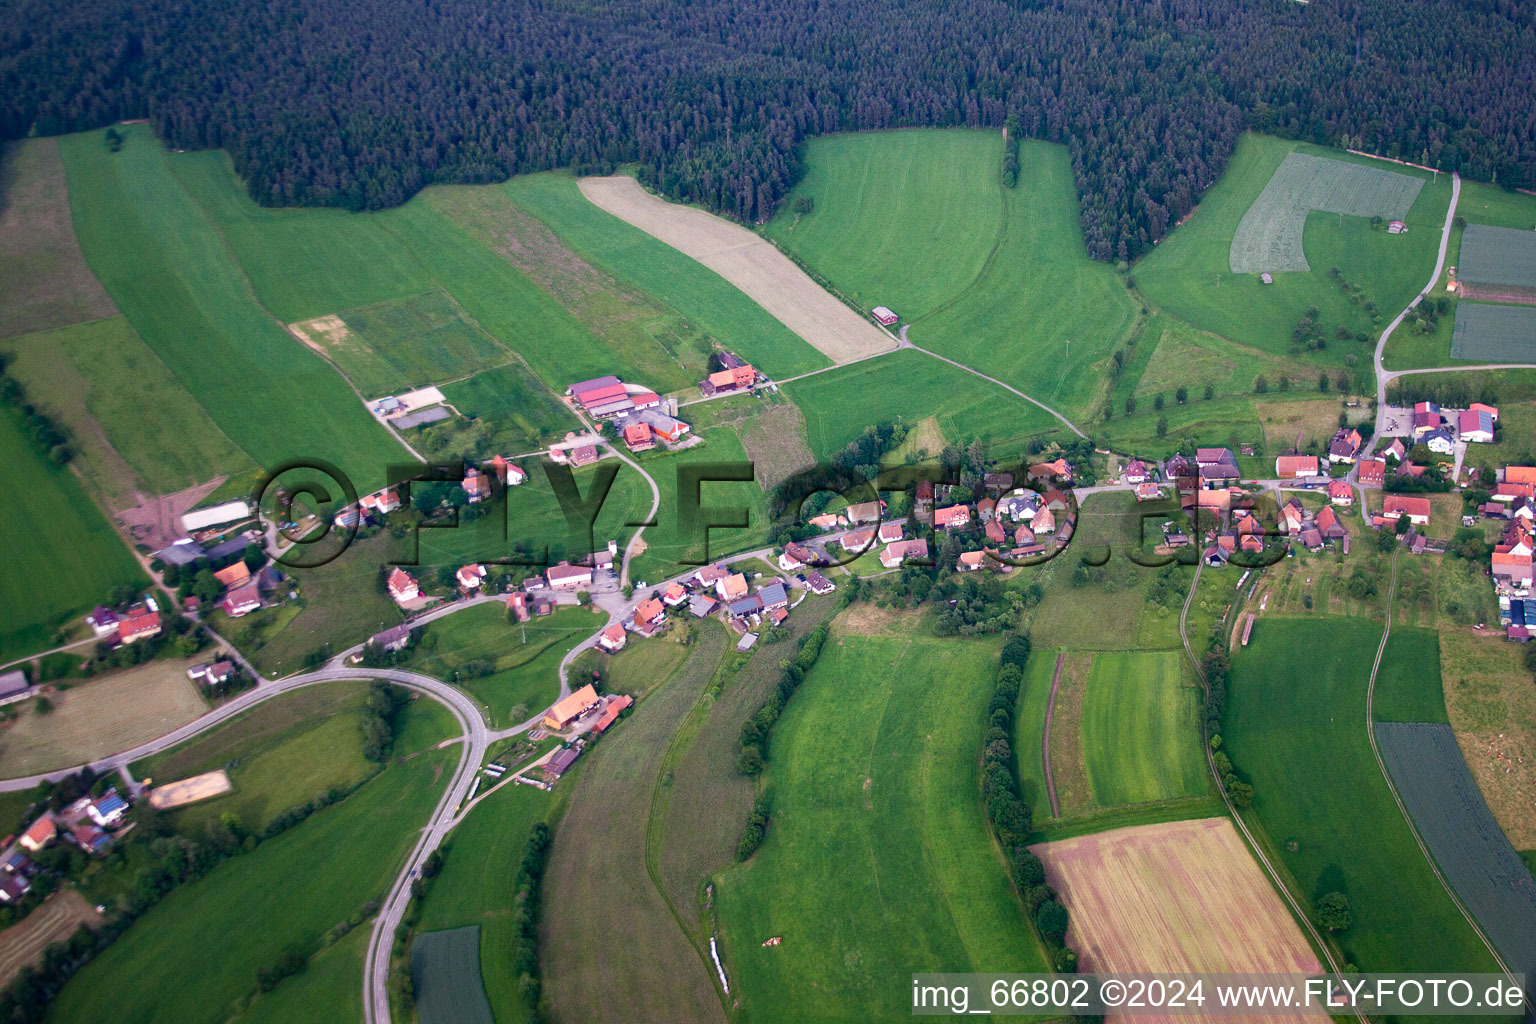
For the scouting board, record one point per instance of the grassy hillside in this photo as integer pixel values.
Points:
(1189, 275)
(1140, 729)
(889, 808)
(1295, 725)
(170, 271)
(64, 558)
(901, 219)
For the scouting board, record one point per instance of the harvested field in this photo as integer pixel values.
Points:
(1498, 293)
(22, 944)
(1269, 235)
(1505, 334)
(188, 791)
(773, 437)
(1487, 694)
(1455, 823)
(1492, 255)
(44, 280)
(1068, 771)
(1180, 896)
(101, 717)
(1313, 419)
(747, 261)
(445, 971)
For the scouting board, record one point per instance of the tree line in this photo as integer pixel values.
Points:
(361, 105)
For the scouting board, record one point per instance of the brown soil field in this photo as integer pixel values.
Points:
(773, 437)
(44, 280)
(56, 919)
(1499, 293)
(190, 790)
(1184, 896)
(101, 717)
(157, 523)
(1487, 695)
(749, 262)
(1068, 772)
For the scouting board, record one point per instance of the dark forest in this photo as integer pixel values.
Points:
(360, 103)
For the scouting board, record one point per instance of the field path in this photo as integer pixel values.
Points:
(1370, 732)
(1045, 737)
(749, 262)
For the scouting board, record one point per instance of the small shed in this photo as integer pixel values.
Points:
(884, 316)
(1266, 278)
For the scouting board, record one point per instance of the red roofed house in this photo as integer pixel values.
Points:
(139, 624)
(613, 638)
(1398, 505)
(611, 712)
(733, 379)
(1372, 471)
(1044, 522)
(896, 554)
(402, 586)
(1340, 493)
(1512, 571)
(970, 560)
(732, 587)
(477, 485)
(584, 455)
(1520, 474)
(1058, 470)
(649, 612)
(674, 595)
(508, 473)
(638, 437)
(233, 575)
(1135, 472)
(1328, 522)
(42, 832)
(952, 517)
(1148, 491)
(891, 531)
(517, 604)
(242, 600)
(996, 532)
(1289, 467)
(471, 576)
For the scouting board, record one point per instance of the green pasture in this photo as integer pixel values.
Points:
(1498, 256)
(1171, 354)
(701, 299)
(1295, 726)
(1141, 729)
(1486, 332)
(173, 275)
(1408, 684)
(323, 870)
(876, 798)
(1029, 732)
(1499, 207)
(524, 657)
(910, 387)
(517, 412)
(400, 344)
(478, 885)
(138, 430)
(1189, 273)
(330, 988)
(904, 219)
(65, 557)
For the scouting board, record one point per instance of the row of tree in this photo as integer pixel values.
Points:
(361, 105)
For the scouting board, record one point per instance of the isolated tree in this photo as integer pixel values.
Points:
(1210, 392)
(1322, 381)
(1162, 426)
(1181, 395)
(1130, 406)
(1285, 383)
(1333, 912)
(1157, 400)
(804, 205)
(1260, 385)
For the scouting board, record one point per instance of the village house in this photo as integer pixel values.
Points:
(1328, 524)
(1019, 505)
(470, 577)
(477, 485)
(242, 600)
(796, 556)
(517, 604)
(566, 576)
(403, 587)
(637, 436)
(1292, 516)
(1426, 417)
(1475, 426)
(1397, 505)
(1371, 472)
(774, 595)
(103, 622)
(1395, 450)
(701, 605)
(508, 473)
(107, 810)
(613, 638)
(233, 575)
(865, 511)
(40, 834)
(1289, 467)
(1148, 492)
(395, 638)
(383, 502)
(728, 380)
(890, 532)
(897, 553)
(141, 623)
(583, 455)
(996, 483)
(827, 521)
(710, 575)
(1440, 441)
(1044, 522)
(1135, 472)
(995, 531)
(732, 587)
(744, 607)
(1345, 446)
(13, 888)
(568, 709)
(857, 541)
(818, 583)
(986, 508)
(90, 838)
(1058, 470)
(952, 517)
(1340, 493)
(971, 560)
(675, 594)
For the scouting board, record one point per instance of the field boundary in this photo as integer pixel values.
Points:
(1045, 739)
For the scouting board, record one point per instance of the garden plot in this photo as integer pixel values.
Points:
(445, 971)
(1497, 256)
(1504, 334)
(1454, 821)
(1269, 236)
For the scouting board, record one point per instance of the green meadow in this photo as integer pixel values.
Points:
(1188, 274)
(909, 386)
(64, 556)
(172, 273)
(1408, 685)
(289, 891)
(702, 300)
(1295, 727)
(878, 861)
(1141, 729)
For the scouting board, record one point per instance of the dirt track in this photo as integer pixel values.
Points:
(766, 275)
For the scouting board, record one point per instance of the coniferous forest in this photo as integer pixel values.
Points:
(361, 103)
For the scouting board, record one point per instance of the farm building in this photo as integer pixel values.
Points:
(602, 397)
(13, 686)
(567, 709)
(568, 577)
(1397, 505)
(612, 710)
(203, 518)
(1474, 425)
(774, 596)
(701, 605)
(561, 762)
(1397, 227)
(242, 600)
(638, 437)
(1289, 467)
(140, 623)
(885, 317)
(729, 380)
(1266, 278)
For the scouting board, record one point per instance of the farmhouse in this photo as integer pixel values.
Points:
(1475, 426)
(402, 586)
(1398, 505)
(952, 517)
(1289, 467)
(470, 577)
(1372, 471)
(897, 553)
(884, 317)
(729, 380)
(637, 436)
(242, 600)
(1345, 446)
(613, 638)
(568, 577)
(140, 623)
(1340, 493)
(567, 709)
